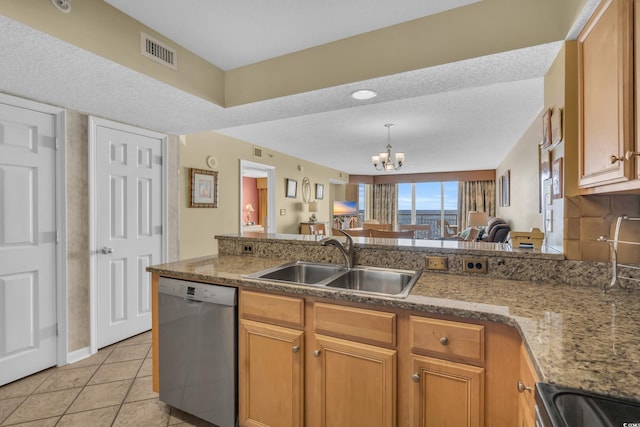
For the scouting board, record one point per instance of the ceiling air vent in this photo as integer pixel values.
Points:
(257, 152)
(160, 52)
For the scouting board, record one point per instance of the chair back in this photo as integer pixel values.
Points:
(358, 232)
(407, 234)
(423, 231)
(382, 227)
(318, 229)
(445, 230)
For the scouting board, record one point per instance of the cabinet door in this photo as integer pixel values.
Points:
(526, 387)
(446, 393)
(270, 375)
(357, 383)
(605, 92)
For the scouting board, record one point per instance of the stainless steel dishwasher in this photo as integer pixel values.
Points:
(198, 349)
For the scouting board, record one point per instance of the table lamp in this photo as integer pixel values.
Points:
(478, 219)
(313, 208)
(249, 209)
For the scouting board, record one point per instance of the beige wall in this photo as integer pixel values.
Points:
(199, 226)
(523, 212)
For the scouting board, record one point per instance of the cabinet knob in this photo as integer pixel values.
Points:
(522, 387)
(444, 341)
(415, 378)
(627, 156)
(316, 353)
(295, 348)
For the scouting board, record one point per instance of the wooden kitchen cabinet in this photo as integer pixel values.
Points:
(357, 383)
(606, 99)
(446, 393)
(270, 360)
(448, 381)
(354, 366)
(526, 386)
(270, 375)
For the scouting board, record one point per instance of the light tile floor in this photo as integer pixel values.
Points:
(110, 388)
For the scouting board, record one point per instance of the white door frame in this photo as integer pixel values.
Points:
(94, 122)
(271, 192)
(61, 217)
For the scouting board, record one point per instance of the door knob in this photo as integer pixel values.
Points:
(295, 348)
(106, 250)
(316, 353)
(415, 378)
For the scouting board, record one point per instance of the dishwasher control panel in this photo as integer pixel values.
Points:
(197, 291)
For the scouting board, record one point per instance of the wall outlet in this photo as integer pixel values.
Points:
(436, 263)
(474, 265)
(247, 249)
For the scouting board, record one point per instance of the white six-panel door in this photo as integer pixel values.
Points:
(128, 227)
(27, 242)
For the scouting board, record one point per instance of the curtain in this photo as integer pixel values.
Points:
(477, 196)
(261, 184)
(384, 203)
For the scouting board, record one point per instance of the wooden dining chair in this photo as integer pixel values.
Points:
(446, 230)
(380, 227)
(361, 232)
(407, 234)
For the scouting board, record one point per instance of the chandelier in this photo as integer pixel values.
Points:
(385, 161)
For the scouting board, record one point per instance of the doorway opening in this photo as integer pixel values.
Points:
(257, 197)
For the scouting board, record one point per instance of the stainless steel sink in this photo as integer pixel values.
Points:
(362, 279)
(376, 280)
(300, 272)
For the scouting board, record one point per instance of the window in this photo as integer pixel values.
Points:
(429, 203)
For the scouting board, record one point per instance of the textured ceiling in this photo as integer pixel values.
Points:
(460, 116)
(231, 34)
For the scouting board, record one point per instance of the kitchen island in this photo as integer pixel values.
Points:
(574, 335)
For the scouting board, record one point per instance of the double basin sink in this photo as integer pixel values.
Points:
(361, 279)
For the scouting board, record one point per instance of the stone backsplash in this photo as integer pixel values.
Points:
(502, 263)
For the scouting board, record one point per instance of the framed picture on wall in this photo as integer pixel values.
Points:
(546, 129)
(292, 188)
(319, 191)
(556, 178)
(203, 188)
(506, 190)
(556, 125)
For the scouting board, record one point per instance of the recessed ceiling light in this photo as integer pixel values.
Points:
(364, 94)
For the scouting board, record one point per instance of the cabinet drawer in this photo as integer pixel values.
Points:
(355, 323)
(272, 308)
(446, 338)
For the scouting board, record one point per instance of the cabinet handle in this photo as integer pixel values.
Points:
(295, 348)
(627, 156)
(415, 378)
(522, 387)
(316, 353)
(444, 341)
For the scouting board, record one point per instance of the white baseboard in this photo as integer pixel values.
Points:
(78, 355)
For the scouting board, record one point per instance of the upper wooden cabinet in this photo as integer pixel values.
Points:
(606, 99)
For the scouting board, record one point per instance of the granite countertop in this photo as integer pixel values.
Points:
(577, 336)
